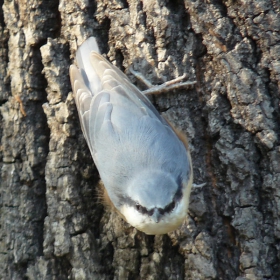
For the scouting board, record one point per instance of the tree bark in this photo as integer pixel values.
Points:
(52, 225)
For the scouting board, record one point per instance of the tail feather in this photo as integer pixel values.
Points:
(90, 77)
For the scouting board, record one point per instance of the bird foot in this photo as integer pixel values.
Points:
(174, 84)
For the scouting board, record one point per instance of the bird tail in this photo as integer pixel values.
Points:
(90, 77)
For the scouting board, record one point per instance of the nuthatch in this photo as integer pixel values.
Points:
(144, 163)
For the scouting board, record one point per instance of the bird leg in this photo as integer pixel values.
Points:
(165, 87)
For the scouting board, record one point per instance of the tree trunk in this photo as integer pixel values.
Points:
(52, 225)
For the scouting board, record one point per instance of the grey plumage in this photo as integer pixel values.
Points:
(134, 148)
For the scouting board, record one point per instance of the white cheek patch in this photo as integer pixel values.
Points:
(132, 216)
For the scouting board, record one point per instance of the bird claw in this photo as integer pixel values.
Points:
(199, 186)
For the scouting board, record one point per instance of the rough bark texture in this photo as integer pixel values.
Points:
(51, 224)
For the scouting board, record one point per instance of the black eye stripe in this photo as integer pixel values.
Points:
(169, 208)
(142, 209)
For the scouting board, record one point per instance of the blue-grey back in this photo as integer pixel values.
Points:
(124, 131)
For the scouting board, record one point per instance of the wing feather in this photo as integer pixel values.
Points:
(84, 119)
(91, 80)
(84, 99)
(104, 68)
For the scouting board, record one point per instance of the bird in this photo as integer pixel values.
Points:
(144, 162)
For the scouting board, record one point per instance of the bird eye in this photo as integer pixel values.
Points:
(172, 206)
(141, 209)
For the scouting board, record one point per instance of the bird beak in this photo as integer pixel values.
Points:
(156, 215)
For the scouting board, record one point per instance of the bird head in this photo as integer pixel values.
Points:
(156, 202)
